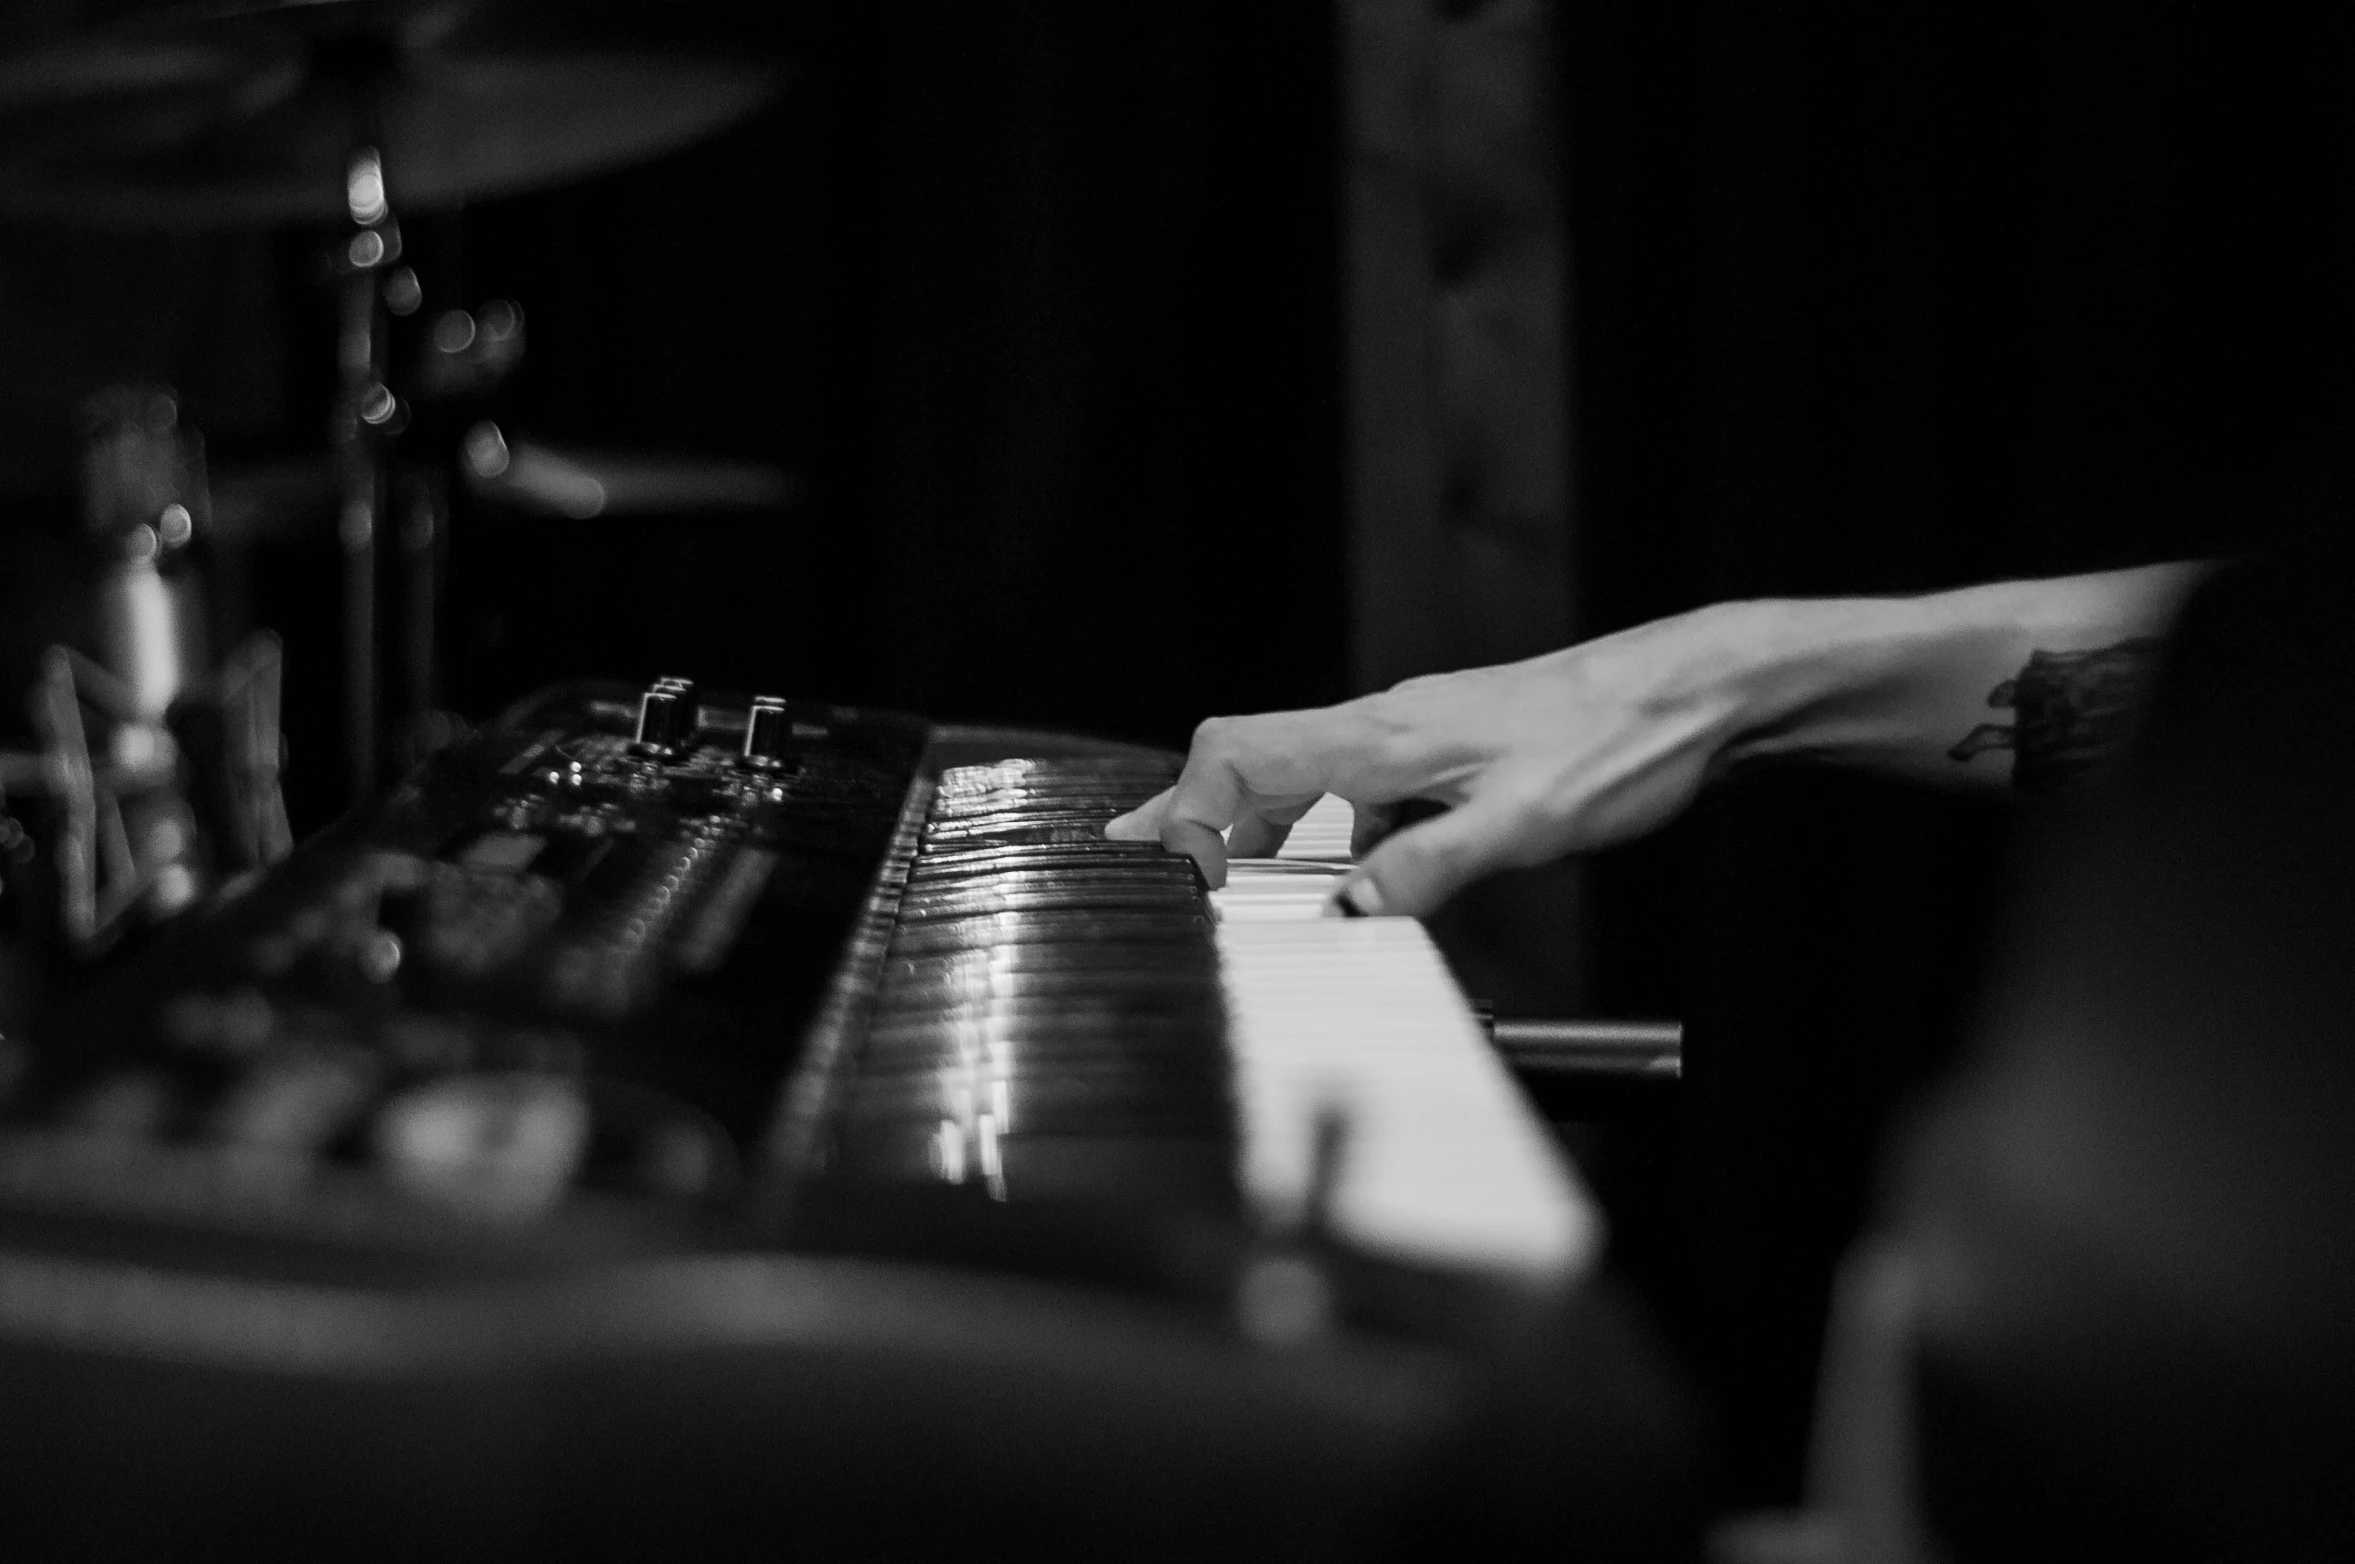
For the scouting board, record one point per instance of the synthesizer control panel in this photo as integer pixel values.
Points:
(578, 953)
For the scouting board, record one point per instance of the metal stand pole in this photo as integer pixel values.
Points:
(424, 518)
(365, 417)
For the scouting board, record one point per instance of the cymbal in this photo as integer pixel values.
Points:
(248, 113)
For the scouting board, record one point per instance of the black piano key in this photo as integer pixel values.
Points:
(1173, 1054)
(1069, 1009)
(954, 902)
(1036, 833)
(1172, 1170)
(1000, 857)
(1001, 929)
(1065, 1106)
(1178, 882)
(1075, 1014)
(1049, 1018)
(984, 992)
(960, 963)
(1097, 774)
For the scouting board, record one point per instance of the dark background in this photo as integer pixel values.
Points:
(1879, 299)
(1040, 305)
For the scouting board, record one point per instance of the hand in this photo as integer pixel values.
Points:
(1602, 742)
(1577, 749)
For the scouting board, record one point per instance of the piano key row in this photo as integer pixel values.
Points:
(1057, 1015)
(1049, 1018)
(1443, 1163)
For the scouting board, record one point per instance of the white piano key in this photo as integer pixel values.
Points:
(1321, 835)
(1275, 888)
(1443, 1161)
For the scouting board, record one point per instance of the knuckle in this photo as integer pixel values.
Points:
(1404, 757)
(1214, 732)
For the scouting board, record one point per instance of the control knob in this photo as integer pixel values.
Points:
(668, 716)
(768, 732)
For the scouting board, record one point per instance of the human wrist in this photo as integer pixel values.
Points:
(1823, 678)
(1893, 683)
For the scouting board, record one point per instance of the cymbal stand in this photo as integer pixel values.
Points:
(418, 726)
(367, 415)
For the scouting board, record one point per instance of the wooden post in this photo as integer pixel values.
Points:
(1456, 271)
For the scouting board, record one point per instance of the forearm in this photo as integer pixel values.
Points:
(1600, 742)
(1933, 687)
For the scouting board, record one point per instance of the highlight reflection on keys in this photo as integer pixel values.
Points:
(1048, 1017)
(1077, 1017)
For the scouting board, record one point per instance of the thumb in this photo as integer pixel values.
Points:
(1414, 871)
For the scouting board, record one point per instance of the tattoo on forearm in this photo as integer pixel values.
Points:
(2071, 713)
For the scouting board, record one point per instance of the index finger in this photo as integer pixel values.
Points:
(1143, 823)
(1259, 829)
(1267, 768)
(1148, 821)
(1153, 819)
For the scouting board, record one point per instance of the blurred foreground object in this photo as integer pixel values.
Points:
(149, 820)
(156, 776)
(2107, 1315)
(144, 499)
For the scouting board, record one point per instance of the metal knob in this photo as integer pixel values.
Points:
(768, 731)
(668, 715)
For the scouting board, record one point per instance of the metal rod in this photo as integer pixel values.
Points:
(423, 517)
(1651, 1050)
(364, 409)
(360, 481)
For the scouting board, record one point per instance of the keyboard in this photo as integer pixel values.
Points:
(1057, 1014)
(646, 963)
(668, 1115)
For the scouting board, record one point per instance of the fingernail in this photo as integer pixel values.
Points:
(1358, 898)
